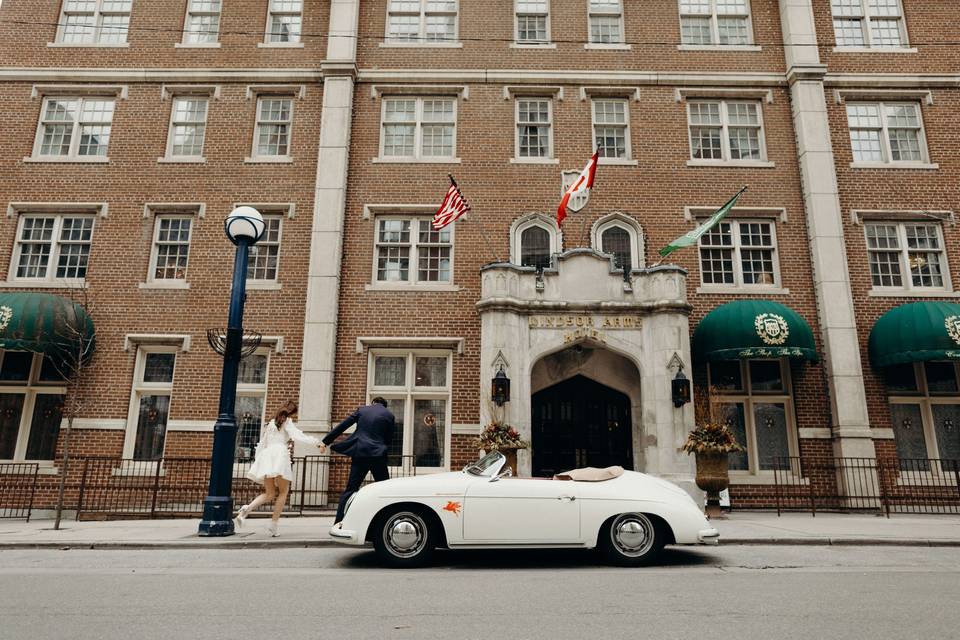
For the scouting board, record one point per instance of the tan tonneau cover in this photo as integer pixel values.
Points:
(591, 474)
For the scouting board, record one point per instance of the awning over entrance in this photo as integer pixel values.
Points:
(916, 332)
(753, 329)
(45, 323)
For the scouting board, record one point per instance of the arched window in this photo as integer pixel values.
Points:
(619, 235)
(534, 239)
(535, 247)
(616, 240)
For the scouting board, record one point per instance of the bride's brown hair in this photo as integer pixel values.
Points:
(287, 410)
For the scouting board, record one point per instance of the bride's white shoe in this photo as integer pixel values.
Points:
(241, 516)
(273, 529)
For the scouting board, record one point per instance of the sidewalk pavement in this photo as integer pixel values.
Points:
(739, 528)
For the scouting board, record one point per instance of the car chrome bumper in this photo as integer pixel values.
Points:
(708, 536)
(343, 534)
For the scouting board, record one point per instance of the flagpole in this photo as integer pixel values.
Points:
(726, 204)
(483, 228)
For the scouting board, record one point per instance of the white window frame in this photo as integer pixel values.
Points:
(634, 231)
(418, 125)
(154, 249)
(715, 28)
(534, 220)
(98, 15)
(591, 14)
(412, 282)
(255, 147)
(409, 392)
(268, 34)
(884, 129)
(140, 388)
(30, 390)
(547, 159)
(903, 252)
(628, 158)
(736, 248)
(255, 391)
(421, 39)
(926, 400)
(866, 21)
(187, 41)
(55, 245)
(748, 398)
(516, 27)
(169, 155)
(254, 283)
(73, 154)
(725, 134)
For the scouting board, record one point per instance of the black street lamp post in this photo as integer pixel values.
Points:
(244, 226)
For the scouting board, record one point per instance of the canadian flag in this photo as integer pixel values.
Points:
(580, 186)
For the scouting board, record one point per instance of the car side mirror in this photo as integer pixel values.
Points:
(506, 472)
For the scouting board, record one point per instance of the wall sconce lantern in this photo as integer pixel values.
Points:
(680, 389)
(500, 388)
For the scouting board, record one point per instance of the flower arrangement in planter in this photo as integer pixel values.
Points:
(499, 436)
(712, 442)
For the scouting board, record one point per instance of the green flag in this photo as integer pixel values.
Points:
(691, 237)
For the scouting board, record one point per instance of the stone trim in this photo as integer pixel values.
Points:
(839, 95)
(406, 342)
(182, 341)
(378, 90)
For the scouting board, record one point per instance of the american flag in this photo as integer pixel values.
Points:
(452, 208)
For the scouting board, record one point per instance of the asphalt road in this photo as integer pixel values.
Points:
(746, 592)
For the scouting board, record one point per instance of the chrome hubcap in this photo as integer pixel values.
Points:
(405, 534)
(632, 534)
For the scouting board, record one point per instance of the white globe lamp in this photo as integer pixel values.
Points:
(244, 223)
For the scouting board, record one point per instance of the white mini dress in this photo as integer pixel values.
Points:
(272, 458)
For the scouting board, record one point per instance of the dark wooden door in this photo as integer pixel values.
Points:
(580, 423)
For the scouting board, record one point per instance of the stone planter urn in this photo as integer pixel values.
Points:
(713, 476)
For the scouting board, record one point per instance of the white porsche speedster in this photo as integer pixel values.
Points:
(629, 516)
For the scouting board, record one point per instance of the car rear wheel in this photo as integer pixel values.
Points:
(404, 539)
(632, 539)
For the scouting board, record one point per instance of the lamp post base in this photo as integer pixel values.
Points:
(217, 517)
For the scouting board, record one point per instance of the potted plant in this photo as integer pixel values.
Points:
(712, 442)
(499, 436)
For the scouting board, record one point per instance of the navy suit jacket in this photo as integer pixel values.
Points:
(375, 425)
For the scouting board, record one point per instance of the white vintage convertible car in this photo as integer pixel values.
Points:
(629, 516)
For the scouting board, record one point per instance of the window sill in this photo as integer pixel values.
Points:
(277, 160)
(755, 290)
(44, 284)
(895, 165)
(719, 47)
(911, 293)
(67, 160)
(280, 45)
(90, 45)
(46, 468)
(387, 286)
(608, 46)
(766, 478)
(533, 45)
(175, 285)
(748, 164)
(196, 45)
(547, 161)
(621, 162)
(181, 160)
(420, 45)
(263, 286)
(874, 50)
(415, 160)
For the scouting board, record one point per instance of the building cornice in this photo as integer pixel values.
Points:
(892, 80)
(61, 74)
(806, 72)
(592, 78)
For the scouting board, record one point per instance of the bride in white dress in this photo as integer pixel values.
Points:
(271, 465)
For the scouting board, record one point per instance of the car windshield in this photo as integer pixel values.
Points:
(487, 465)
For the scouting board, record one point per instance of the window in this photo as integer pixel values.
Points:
(606, 22)
(53, 247)
(715, 22)
(203, 22)
(611, 128)
(263, 260)
(31, 406)
(94, 22)
(895, 249)
(74, 128)
(284, 21)
(171, 248)
(755, 400)
(271, 137)
(886, 132)
(422, 21)
(726, 130)
(416, 386)
(535, 247)
(188, 122)
(150, 404)
(419, 128)
(740, 253)
(534, 128)
(411, 251)
(868, 23)
(533, 21)
(925, 411)
(250, 403)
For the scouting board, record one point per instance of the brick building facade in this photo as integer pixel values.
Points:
(342, 121)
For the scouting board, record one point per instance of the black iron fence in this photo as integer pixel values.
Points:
(18, 484)
(916, 485)
(112, 487)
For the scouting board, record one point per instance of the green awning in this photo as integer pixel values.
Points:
(753, 329)
(45, 323)
(916, 332)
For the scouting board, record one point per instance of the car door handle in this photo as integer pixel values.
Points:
(567, 498)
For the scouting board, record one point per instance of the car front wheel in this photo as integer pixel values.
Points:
(632, 539)
(403, 539)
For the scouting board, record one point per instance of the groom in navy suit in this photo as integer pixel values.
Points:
(367, 446)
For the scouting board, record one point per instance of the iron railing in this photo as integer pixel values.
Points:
(18, 483)
(112, 487)
(887, 485)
